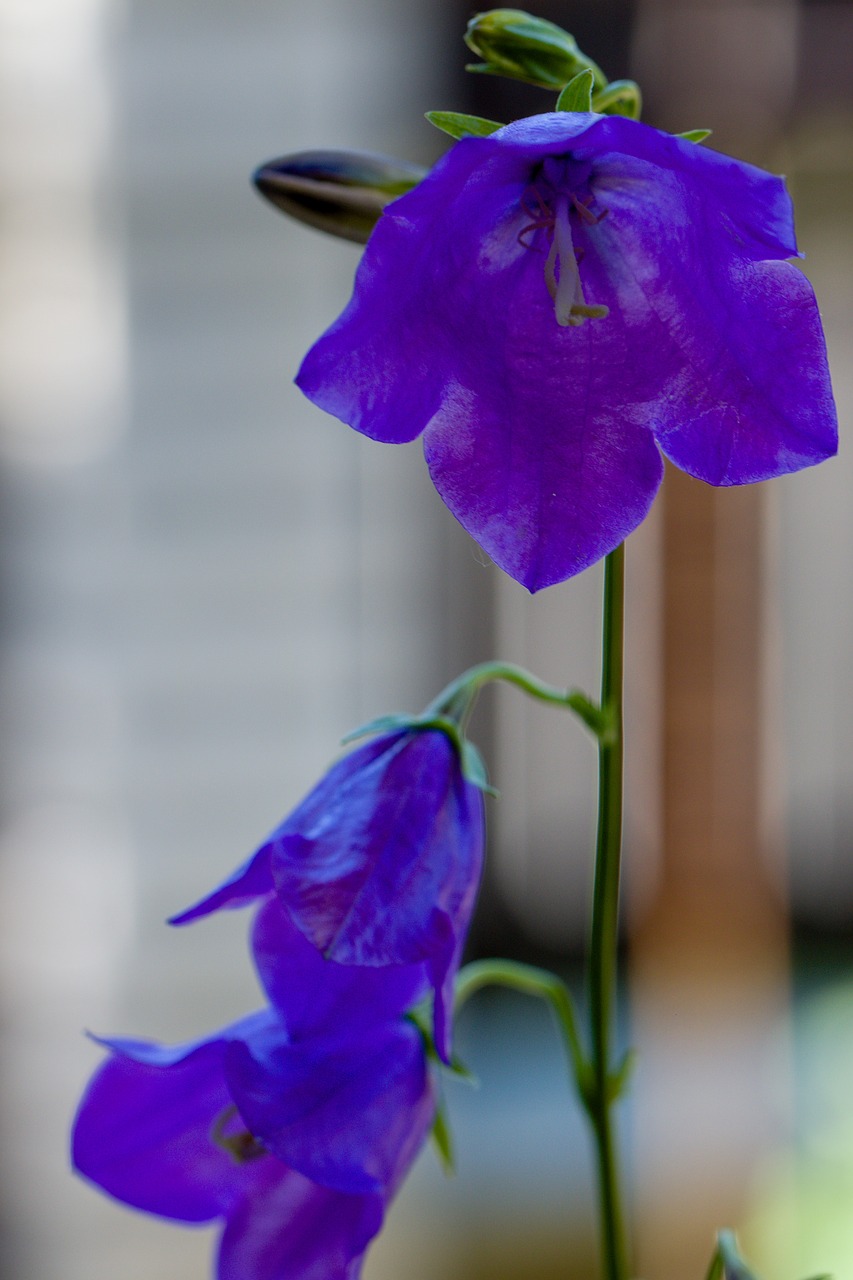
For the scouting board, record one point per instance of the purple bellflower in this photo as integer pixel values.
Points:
(380, 863)
(294, 1126)
(559, 304)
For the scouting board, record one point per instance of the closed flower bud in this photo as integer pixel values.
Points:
(515, 44)
(340, 192)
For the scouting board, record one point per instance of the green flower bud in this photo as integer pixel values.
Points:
(521, 47)
(340, 192)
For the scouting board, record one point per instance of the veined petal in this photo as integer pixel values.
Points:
(317, 996)
(349, 1113)
(368, 880)
(252, 879)
(749, 206)
(744, 384)
(292, 1229)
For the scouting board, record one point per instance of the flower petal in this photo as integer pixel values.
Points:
(316, 995)
(744, 385)
(750, 207)
(252, 879)
(142, 1131)
(292, 1229)
(763, 399)
(349, 1113)
(371, 876)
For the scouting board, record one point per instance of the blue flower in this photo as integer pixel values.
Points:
(560, 305)
(294, 1126)
(380, 863)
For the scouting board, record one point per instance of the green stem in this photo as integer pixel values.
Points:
(605, 922)
(458, 697)
(533, 982)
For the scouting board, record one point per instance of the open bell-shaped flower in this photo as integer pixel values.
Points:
(293, 1127)
(559, 306)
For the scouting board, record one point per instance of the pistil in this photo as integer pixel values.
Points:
(562, 275)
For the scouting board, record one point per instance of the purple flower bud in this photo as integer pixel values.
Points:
(340, 192)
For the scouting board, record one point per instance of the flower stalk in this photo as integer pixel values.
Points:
(459, 696)
(604, 931)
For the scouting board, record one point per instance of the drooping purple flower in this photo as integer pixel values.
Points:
(294, 1126)
(559, 304)
(380, 863)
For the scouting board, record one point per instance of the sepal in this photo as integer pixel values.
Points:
(473, 766)
(619, 98)
(340, 192)
(695, 135)
(382, 724)
(516, 45)
(577, 95)
(727, 1263)
(442, 1139)
(458, 125)
(474, 769)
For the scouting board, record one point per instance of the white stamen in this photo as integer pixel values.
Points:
(570, 306)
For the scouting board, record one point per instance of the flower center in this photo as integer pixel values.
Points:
(550, 209)
(241, 1145)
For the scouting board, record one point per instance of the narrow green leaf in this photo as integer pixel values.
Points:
(459, 125)
(577, 95)
(443, 1139)
(695, 135)
(619, 98)
(715, 1271)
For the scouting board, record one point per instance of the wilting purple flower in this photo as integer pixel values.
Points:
(559, 304)
(380, 863)
(294, 1126)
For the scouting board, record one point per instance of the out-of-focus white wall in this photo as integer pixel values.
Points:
(206, 582)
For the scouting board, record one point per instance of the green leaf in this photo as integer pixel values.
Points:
(443, 1139)
(715, 1271)
(577, 95)
(619, 98)
(695, 135)
(459, 125)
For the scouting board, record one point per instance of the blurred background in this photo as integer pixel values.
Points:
(205, 583)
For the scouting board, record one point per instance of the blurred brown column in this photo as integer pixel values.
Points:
(709, 953)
